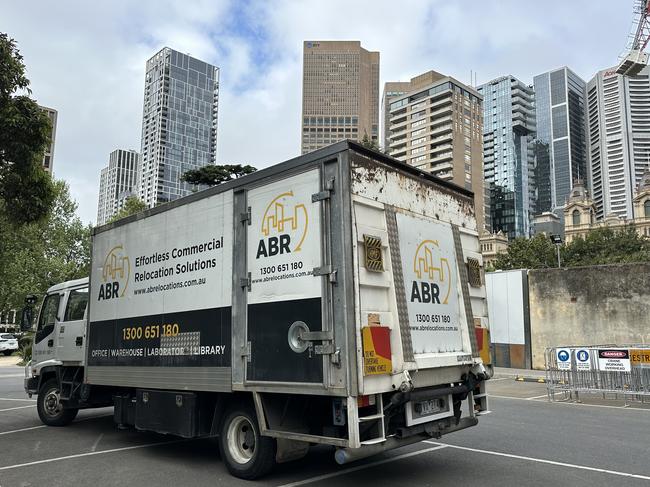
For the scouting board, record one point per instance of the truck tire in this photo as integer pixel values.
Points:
(246, 453)
(50, 409)
(8, 352)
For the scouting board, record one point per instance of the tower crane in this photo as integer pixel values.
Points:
(636, 59)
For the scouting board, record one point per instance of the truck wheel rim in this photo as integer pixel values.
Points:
(241, 439)
(51, 404)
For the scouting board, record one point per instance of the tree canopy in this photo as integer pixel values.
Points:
(36, 255)
(26, 190)
(369, 143)
(211, 175)
(600, 246)
(132, 205)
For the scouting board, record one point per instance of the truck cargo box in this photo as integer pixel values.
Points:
(340, 273)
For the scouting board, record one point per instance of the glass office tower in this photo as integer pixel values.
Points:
(179, 123)
(508, 154)
(561, 146)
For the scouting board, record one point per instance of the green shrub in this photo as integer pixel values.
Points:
(25, 353)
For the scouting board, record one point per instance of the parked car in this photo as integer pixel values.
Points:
(8, 344)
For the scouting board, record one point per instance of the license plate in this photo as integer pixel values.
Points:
(431, 406)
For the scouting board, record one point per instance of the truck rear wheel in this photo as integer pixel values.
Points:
(49, 406)
(246, 453)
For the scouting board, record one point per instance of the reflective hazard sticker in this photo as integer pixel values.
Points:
(377, 356)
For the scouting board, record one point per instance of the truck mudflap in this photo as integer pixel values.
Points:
(420, 433)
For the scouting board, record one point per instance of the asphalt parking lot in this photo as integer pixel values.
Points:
(524, 441)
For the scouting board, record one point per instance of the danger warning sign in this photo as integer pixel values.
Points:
(614, 359)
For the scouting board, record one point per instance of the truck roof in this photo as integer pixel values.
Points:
(303, 160)
(68, 284)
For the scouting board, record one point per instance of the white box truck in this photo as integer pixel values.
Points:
(337, 298)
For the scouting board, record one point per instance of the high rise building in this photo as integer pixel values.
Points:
(179, 123)
(437, 125)
(48, 157)
(618, 113)
(561, 146)
(340, 93)
(509, 154)
(392, 89)
(117, 182)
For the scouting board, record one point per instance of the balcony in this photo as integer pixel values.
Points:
(399, 126)
(445, 156)
(441, 147)
(443, 166)
(441, 119)
(446, 110)
(440, 138)
(440, 129)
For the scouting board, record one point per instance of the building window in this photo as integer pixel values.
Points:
(576, 217)
(646, 208)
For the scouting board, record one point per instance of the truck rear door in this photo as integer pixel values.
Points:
(414, 305)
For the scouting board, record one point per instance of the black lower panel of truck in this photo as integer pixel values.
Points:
(181, 413)
(272, 359)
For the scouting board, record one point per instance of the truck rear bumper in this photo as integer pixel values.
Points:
(347, 455)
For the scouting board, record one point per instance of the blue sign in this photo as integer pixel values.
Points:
(582, 355)
(563, 356)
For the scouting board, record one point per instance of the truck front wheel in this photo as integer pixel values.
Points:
(246, 453)
(49, 406)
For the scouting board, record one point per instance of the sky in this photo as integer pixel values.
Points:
(87, 59)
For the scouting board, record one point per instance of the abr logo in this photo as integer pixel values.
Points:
(115, 274)
(429, 264)
(287, 219)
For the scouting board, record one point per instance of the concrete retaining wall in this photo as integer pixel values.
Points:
(588, 305)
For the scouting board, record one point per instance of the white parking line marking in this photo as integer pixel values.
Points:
(44, 426)
(361, 467)
(16, 399)
(500, 378)
(579, 404)
(541, 460)
(11, 376)
(536, 397)
(23, 429)
(19, 407)
(79, 455)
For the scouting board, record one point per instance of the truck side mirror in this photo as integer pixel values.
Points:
(26, 318)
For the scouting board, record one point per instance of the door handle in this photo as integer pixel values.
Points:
(50, 342)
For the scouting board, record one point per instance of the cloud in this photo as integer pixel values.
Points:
(87, 59)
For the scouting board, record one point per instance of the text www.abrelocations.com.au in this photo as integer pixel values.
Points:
(168, 286)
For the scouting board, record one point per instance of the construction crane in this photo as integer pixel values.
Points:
(636, 59)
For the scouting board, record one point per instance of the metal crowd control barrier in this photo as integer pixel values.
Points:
(618, 370)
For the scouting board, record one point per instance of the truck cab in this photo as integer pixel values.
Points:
(58, 351)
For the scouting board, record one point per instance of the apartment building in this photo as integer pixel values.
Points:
(179, 123)
(437, 126)
(117, 182)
